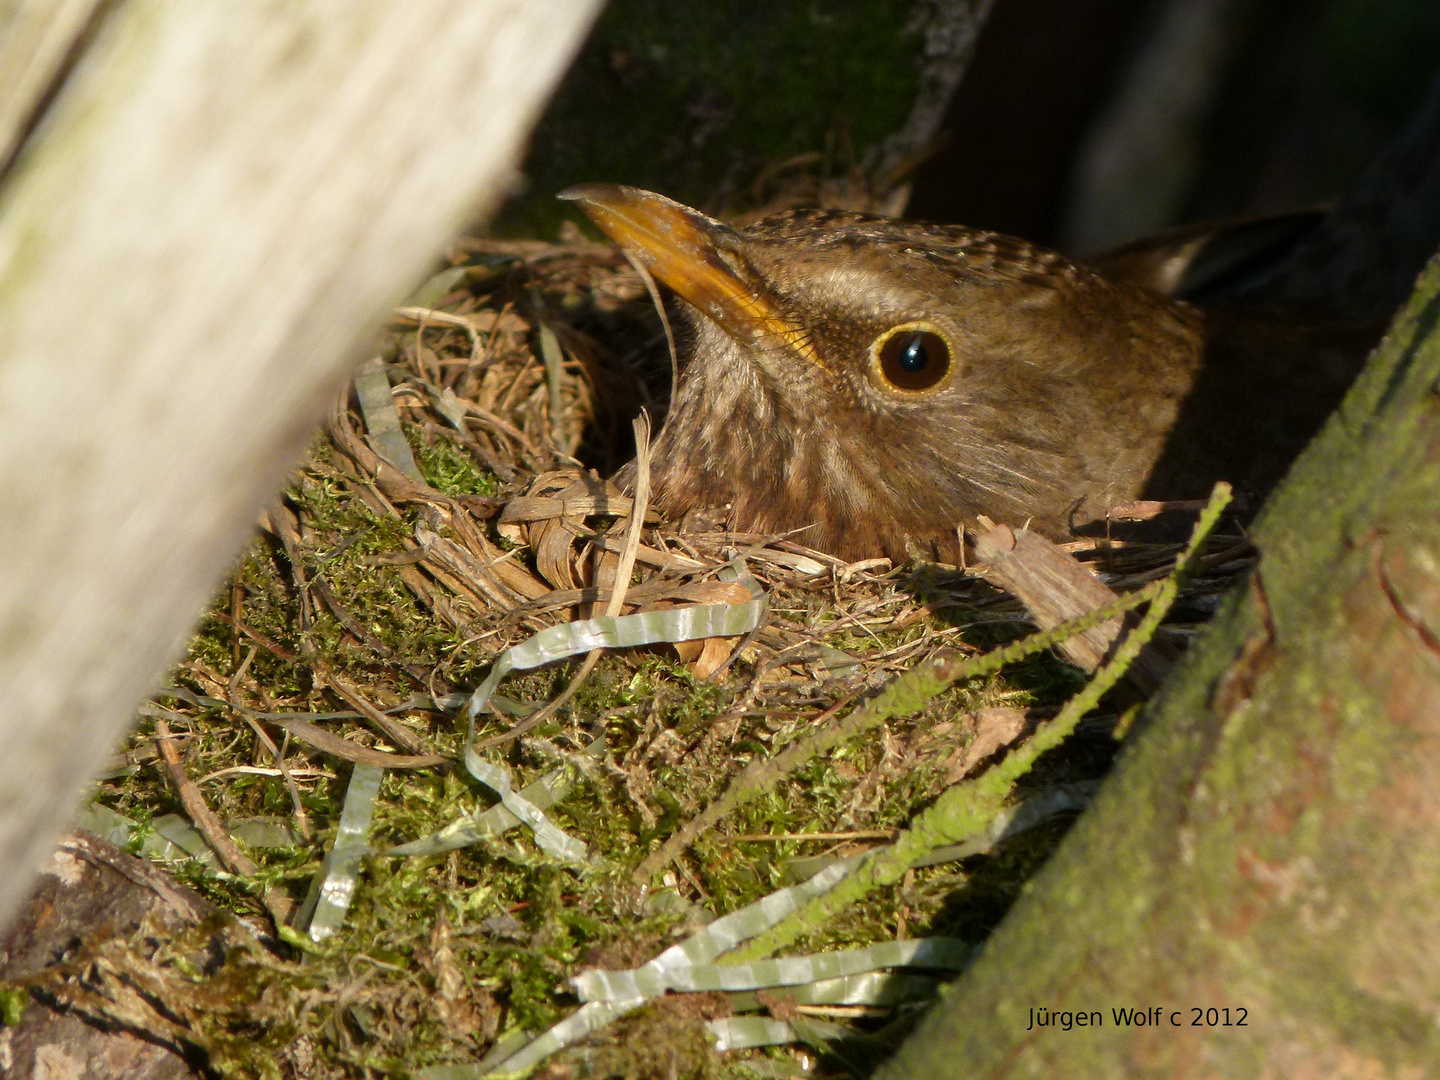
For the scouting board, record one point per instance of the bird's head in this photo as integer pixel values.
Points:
(882, 382)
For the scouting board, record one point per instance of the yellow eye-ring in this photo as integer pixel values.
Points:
(911, 356)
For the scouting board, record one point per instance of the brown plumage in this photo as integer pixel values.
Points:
(878, 383)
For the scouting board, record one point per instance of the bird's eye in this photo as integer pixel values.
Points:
(911, 357)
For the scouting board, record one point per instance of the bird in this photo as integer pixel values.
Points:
(878, 386)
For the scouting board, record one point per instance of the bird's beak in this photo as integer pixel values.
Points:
(683, 249)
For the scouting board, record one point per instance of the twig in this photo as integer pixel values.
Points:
(637, 515)
(285, 527)
(327, 741)
(233, 696)
(208, 825)
(237, 612)
(302, 819)
(321, 588)
(257, 637)
(260, 770)
(397, 733)
(422, 315)
(391, 729)
(777, 838)
(650, 288)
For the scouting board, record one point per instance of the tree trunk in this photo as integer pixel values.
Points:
(215, 209)
(1263, 868)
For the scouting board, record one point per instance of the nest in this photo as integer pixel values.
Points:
(378, 590)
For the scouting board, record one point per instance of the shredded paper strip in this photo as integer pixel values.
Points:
(544, 793)
(700, 948)
(936, 952)
(560, 643)
(335, 884)
(872, 988)
(552, 839)
(341, 868)
(575, 639)
(745, 1032)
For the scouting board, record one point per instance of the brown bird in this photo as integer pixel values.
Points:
(879, 383)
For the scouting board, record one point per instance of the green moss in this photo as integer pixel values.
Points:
(449, 468)
(12, 1005)
(694, 105)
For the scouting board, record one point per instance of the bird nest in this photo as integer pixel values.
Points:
(457, 506)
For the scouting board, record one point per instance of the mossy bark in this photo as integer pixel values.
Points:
(1271, 840)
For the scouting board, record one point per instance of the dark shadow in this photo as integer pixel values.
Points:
(1042, 69)
(1265, 389)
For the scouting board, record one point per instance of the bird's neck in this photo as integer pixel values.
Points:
(735, 438)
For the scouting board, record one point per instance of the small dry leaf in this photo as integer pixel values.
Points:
(688, 651)
(704, 656)
(715, 652)
(995, 727)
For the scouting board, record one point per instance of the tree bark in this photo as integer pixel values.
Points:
(1271, 840)
(212, 214)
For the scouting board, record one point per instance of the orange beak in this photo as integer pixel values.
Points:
(683, 249)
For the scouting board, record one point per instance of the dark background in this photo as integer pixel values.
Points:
(733, 106)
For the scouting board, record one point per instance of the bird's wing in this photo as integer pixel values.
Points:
(1193, 260)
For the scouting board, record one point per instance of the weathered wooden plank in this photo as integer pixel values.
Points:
(194, 246)
(36, 39)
